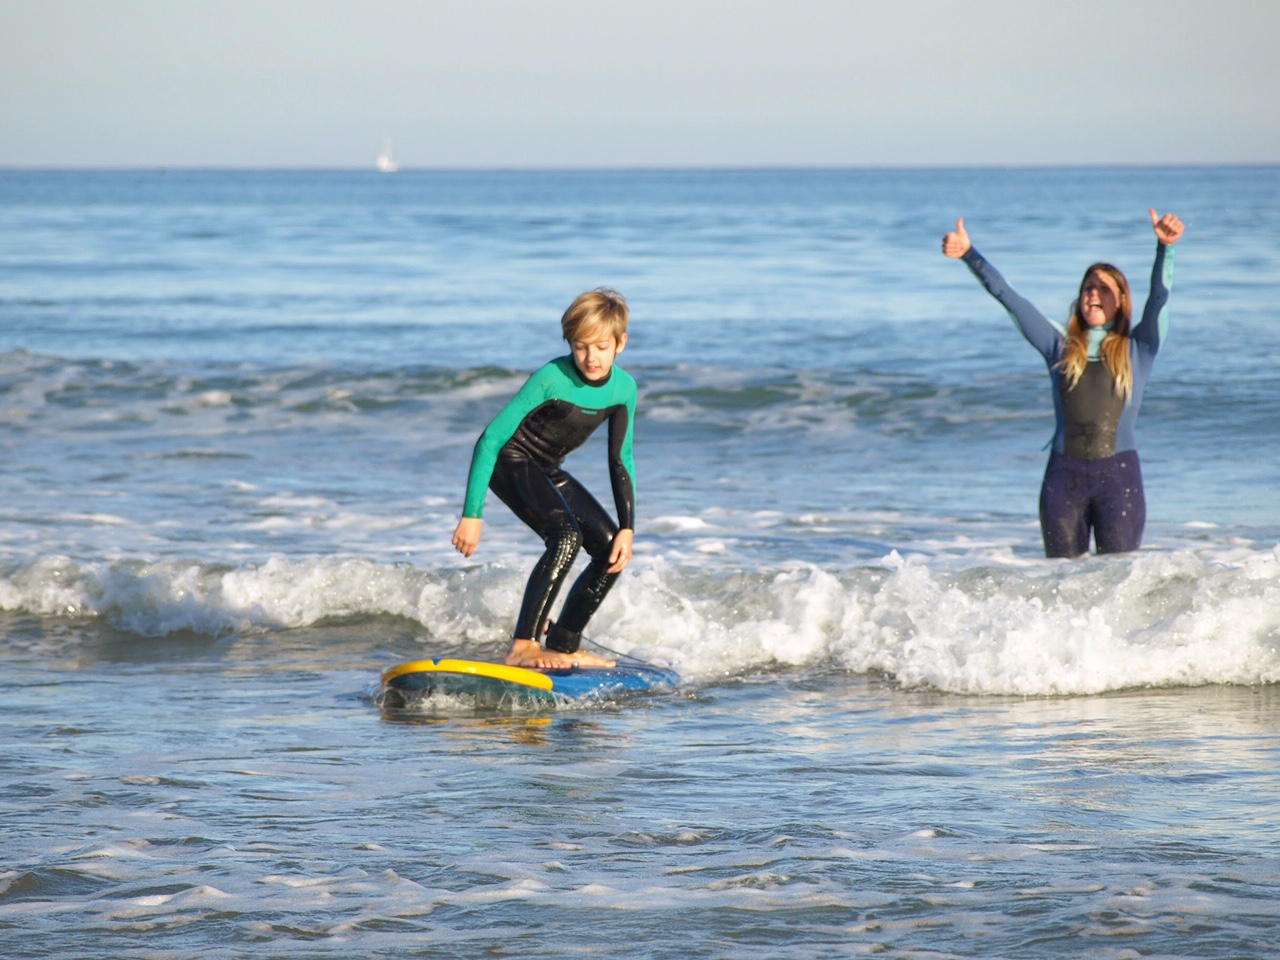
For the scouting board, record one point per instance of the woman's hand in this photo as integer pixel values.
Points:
(1168, 228)
(467, 535)
(620, 553)
(955, 243)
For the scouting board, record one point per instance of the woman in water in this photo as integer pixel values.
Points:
(1098, 366)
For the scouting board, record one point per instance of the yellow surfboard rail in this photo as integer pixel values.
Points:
(477, 668)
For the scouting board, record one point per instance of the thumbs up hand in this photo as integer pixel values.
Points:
(1168, 228)
(955, 243)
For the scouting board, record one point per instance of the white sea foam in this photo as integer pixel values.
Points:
(1152, 619)
(105, 519)
(214, 398)
(677, 523)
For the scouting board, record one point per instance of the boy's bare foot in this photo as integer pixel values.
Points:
(528, 653)
(584, 659)
(523, 653)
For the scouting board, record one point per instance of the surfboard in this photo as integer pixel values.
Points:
(496, 685)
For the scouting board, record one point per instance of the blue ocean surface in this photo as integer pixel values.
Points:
(236, 414)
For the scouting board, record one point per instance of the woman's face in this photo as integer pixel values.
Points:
(1099, 299)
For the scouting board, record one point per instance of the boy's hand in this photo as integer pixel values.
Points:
(467, 535)
(621, 551)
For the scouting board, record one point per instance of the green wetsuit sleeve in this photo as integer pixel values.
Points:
(500, 429)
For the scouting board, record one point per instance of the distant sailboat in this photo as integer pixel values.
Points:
(385, 163)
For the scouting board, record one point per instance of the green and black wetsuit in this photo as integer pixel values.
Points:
(519, 456)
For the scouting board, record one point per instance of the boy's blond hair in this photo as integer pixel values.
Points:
(600, 309)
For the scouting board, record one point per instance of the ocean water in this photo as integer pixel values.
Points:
(236, 413)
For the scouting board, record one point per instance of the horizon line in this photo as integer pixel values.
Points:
(617, 168)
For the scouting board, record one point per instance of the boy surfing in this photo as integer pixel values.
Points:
(519, 456)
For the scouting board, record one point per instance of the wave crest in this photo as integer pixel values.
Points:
(1150, 620)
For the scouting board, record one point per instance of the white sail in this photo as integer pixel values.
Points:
(384, 162)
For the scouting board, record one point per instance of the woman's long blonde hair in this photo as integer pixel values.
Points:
(1115, 347)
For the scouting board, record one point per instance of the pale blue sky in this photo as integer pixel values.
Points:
(520, 83)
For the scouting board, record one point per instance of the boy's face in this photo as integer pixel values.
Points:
(594, 352)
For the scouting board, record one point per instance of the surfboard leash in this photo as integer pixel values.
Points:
(618, 654)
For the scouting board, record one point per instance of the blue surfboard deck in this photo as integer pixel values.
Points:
(496, 685)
